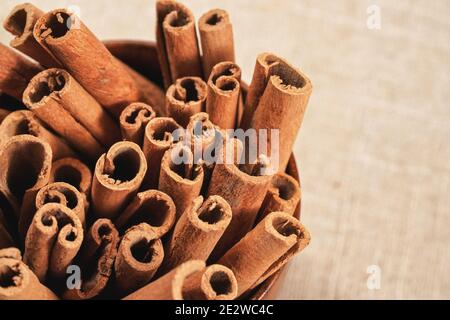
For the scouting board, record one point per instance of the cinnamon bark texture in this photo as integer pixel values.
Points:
(53, 240)
(216, 36)
(134, 119)
(153, 207)
(18, 281)
(3, 114)
(73, 172)
(184, 98)
(60, 101)
(25, 122)
(96, 259)
(20, 23)
(87, 59)
(117, 177)
(244, 193)
(277, 99)
(264, 246)
(170, 286)
(176, 39)
(284, 194)
(16, 71)
(224, 92)
(217, 282)
(6, 240)
(25, 163)
(160, 135)
(180, 177)
(139, 257)
(197, 231)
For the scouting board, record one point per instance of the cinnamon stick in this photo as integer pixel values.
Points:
(58, 100)
(53, 240)
(197, 231)
(20, 23)
(3, 114)
(117, 178)
(176, 39)
(16, 71)
(277, 99)
(6, 239)
(180, 177)
(216, 35)
(169, 286)
(160, 134)
(185, 98)
(283, 195)
(18, 281)
(139, 256)
(25, 122)
(254, 254)
(96, 259)
(153, 207)
(87, 59)
(133, 120)
(73, 172)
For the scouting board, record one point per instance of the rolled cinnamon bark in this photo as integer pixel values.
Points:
(197, 231)
(117, 178)
(169, 286)
(25, 163)
(87, 59)
(139, 256)
(15, 72)
(216, 283)
(185, 98)
(96, 259)
(254, 254)
(153, 207)
(216, 36)
(180, 177)
(201, 135)
(58, 100)
(73, 172)
(277, 99)
(176, 39)
(20, 23)
(283, 195)
(6, 239)
(18, 281)
(160, 134)
(3, 114)
(53, 240)
(25, 122)
(133, 120)
(244, 193)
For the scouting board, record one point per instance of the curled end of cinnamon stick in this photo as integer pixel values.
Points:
(160, 132)
(214, 19)
(284, 227)
(178, 164)
(20, 22)
(219, 283)
(211, 215)
(55, 25)
(182, 273)
(134, 119)
(73, 172)
(173, 14)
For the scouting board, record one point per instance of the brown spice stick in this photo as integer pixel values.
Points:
(153, 207)
(183, 181)
(3, 114)
(25, 122)
(216, 35)
(158, 139)
(53, 240)
(139, 256)
(73, 172)
(20, 22)
(176, 39)
(217, 282)
(251, 257)
(96, 259)
(16, 71)
(87, 59)
(133, 120)
(197, 231)
(185, 98)
(169, 286)
(117, 178)
(18, 281)
(277, 99)
(284, 194)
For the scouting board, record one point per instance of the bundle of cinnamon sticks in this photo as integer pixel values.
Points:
(113, 187)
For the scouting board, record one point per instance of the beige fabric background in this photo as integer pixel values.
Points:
(374, 149)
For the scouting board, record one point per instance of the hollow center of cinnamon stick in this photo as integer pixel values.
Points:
(285, 227)
(69, 175)
(69, 196)
(22, 127)
(189, 91)
(211, 214)
(163, 131)
(131, 118)
(177, 18)
(53, 82)
(214, 19)
(226, 84)
(220, 283)
(9, 276)
(104, 230)
(153, 211)
(143, 250)
(17, 22)
(126, 166)
(284, 189)
(61, 219)
(57, 25)
(289, 78)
